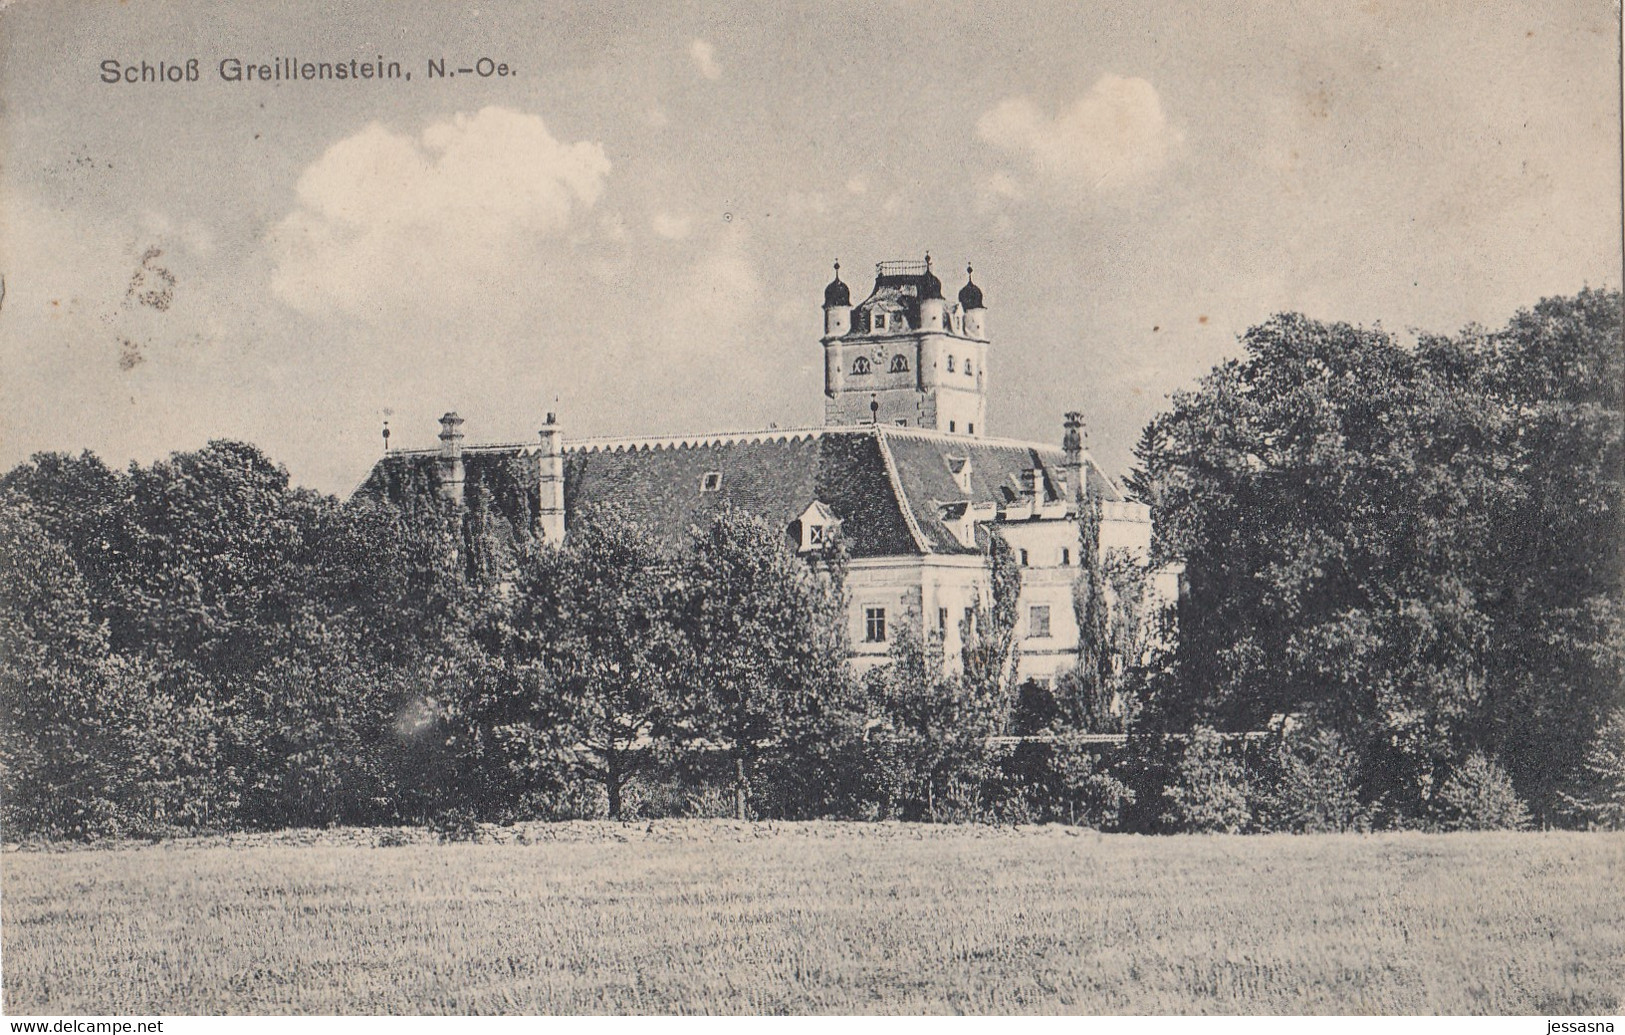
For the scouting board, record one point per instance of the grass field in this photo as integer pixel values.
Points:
(820, 918)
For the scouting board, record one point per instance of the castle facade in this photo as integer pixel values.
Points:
(903, 468)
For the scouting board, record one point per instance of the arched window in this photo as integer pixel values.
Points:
(899, 364)
(860, 365)
(950, 364)
(967, 368)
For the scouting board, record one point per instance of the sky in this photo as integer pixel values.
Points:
(633, 227)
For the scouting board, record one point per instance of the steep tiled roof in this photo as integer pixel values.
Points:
(926, 462)
(666, 486)
(888, 485)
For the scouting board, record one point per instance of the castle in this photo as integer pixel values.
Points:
(903, 468)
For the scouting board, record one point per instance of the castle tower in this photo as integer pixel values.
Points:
(904, 355)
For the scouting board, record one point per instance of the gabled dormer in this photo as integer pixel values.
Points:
(816, 528)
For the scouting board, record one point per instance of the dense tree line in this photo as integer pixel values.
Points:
(1416, 550)
(1405, 609)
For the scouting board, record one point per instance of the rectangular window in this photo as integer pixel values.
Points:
(1066, 557)
(1024, 558)
(970, 619)
(874, 625)
(902, 422)
(950, 425)
(815, 535)
(880, 321)
(1038, 621)
(942, 621)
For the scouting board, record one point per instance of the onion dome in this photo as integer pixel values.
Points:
(930, 286)
(970, 296)
(836, 294)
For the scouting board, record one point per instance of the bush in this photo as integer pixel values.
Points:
(1094, 795)
(1210, 791)
(1478, 795)
(456, 824)
(1313, 787)
(1062, 781)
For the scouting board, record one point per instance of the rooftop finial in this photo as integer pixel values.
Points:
(969, 269)
(837, 269)
(928, 262)
(386, 436)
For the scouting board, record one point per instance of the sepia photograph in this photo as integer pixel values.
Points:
(863, 507)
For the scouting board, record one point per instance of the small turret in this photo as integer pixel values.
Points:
(449, 464)
(1072, 464)
(970, 300)
(550, 482)
(932, 307)
(837, 306)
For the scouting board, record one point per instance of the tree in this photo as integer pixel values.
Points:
(987, 634)
(57, 747)
(91, 744)
(600, 617)
(765, 641)
(1598, 790)
(1556, 376)
(929, 737)
(1088, 688)
(1416, 548)
(1312, 785)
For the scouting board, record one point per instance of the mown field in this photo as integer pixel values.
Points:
(687, 917)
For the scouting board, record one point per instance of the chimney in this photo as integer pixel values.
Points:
(449, 463)
(1072, 444)
(550, 482)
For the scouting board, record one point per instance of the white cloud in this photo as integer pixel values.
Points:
(1114, 136)
(672, 228)
(858, 184)
(705, 59)
(385, 218)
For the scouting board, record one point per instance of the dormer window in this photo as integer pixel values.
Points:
(860, 365)
(899, 364)
(711, 481)
(959, 467)
(880, 321)
(818, 527)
